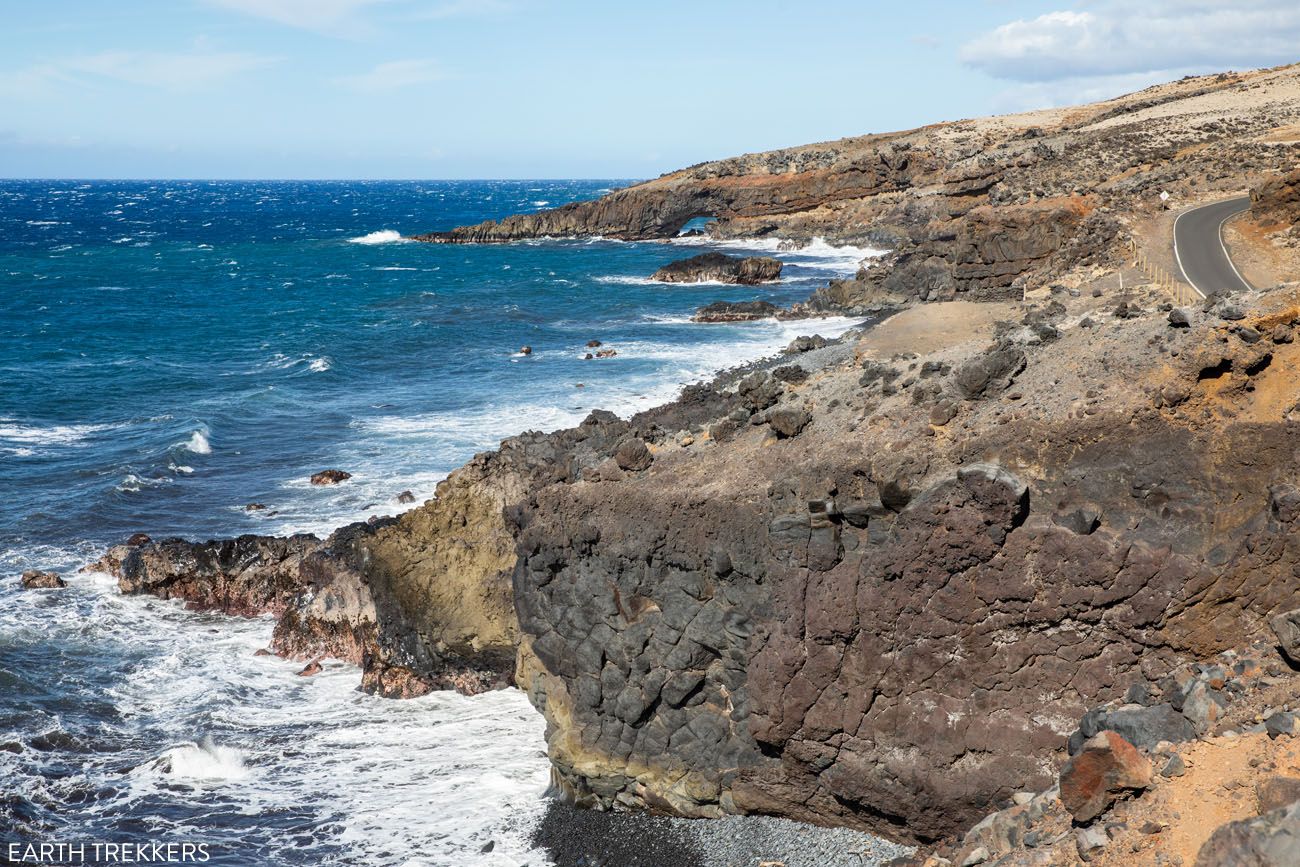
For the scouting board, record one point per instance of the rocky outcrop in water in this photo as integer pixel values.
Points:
(35, 579)
(736, 311)
(720, 268)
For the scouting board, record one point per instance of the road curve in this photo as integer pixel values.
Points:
(1199, 249)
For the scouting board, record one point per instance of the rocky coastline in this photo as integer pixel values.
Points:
(900, 582)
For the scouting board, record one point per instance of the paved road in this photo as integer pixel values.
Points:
(1200, 251)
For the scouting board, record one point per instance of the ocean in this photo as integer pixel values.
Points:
(173, 351)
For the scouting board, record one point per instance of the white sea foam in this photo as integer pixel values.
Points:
(133, 483)
(393, 268)
(623, 280)
(320, 365)
(204, 761)
(198, 443)
(53, 435)
(815, 254)
(383, 236)
(418, 783)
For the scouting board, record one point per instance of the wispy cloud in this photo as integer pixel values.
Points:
(323, 16)
(166, 71)
(1113, 37)
(467, 8)
(394, 75)
(351, 18)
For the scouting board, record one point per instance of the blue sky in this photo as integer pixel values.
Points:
(531, 88)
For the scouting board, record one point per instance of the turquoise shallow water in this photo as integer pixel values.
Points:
(171, 351)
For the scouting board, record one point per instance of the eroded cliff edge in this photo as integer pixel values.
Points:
(874, 583)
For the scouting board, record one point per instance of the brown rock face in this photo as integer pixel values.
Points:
(870, 625)
(716, 267)
(1277, 202)
(1105, 768)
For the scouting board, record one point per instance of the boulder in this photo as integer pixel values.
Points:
(1106, 767)
(525, 350)
(790, 373)
(406, 498)
(330, 477)
(720, 268)
(1231, 312)
(138, 539)
(1179, 318)
(633, 456)
(788, 422)
(1270, 840)
(1286, 626)
(1276, 792)
(805, 344)
(943, 412)
(35, 579)
(991, 373)
(1281, 723)
(1144, 727)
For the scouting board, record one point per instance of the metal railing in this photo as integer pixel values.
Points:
(1181, 292)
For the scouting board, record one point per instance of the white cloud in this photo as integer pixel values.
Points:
(1110, 38)
(394, 75)
(324, 16)
(176, 72)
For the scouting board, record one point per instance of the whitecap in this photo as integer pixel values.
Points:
(199, 444)
(320, 365)
(383, 236)
(816, 254)
(622, 280)
(55, 435)
(204, 761)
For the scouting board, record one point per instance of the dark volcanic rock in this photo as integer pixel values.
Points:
(1143, 727)
(788, 422)
(1270, 840)
(990, 374)
(1286, 627)
(35, 579)
(720, 268)
(247, 576)
(633, 455)
(330, 477)
(736, 311)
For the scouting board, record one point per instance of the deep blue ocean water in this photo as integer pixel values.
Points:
(172, 351)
